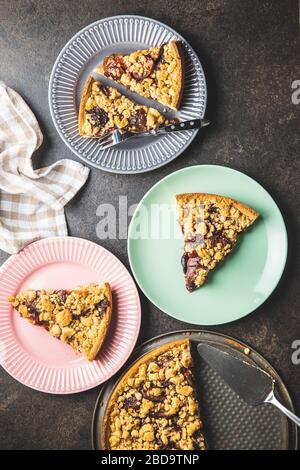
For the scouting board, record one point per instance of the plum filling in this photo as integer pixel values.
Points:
(188, 375)
(101, 307)
(145, 69)
(199, 440)
(162, 414)
(99, 116)
(193, 264)
(35, 315)
(114, 67)
(156, 408)
(194, 242)
(62, 296)
(138, 120)
(146, 66)
(155, 399)
(160, 59)
(105, 90)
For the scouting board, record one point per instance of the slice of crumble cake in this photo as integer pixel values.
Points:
(154, 405)
(80, 317)
(155, 73)
(104, 109)
(210, 225)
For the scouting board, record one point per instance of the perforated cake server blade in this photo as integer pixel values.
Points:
(254, 385)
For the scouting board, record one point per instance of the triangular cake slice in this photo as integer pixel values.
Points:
(155, 73)
(104, 109)
(79, 317)
(210, 225)
(154, 405)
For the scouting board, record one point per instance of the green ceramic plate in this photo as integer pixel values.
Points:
(246, 277)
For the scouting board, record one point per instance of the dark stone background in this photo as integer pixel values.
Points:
(250, 54)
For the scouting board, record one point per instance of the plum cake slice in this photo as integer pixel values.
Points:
(154, 405)
(155, 73)
(78, 317)
(104, 109)
(210, 225)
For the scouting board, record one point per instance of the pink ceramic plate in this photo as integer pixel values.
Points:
(29, 353)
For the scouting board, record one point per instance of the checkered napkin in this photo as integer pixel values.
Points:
(31, 201)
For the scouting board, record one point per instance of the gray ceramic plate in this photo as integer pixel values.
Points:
(229, 422)
(77, 61)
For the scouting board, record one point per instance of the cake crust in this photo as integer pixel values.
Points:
(79, 317)
(104, 325)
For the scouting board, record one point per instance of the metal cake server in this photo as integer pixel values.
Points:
(119, 135)
(249, 381)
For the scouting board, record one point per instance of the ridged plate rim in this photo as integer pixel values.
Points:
(157, 161)
(38, 254)
(209, 318)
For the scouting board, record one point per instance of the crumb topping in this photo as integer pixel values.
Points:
(152, 73)
(72, 316)
(156, 408)
(210, 229)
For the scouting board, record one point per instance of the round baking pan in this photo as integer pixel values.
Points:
(229, 422)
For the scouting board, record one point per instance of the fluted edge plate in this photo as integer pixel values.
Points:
(77, 61)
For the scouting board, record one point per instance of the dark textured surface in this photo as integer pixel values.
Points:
(250, 54)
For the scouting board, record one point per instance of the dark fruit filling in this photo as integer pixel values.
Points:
(35, 315)
(155, 399)
(115, 66)
(147, 69)
(213, 210)
(162, 414)
(190, 263)
(218, 237)
(188, 375)
(184, 260)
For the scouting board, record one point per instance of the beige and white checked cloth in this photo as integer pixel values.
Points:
(31, 201)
